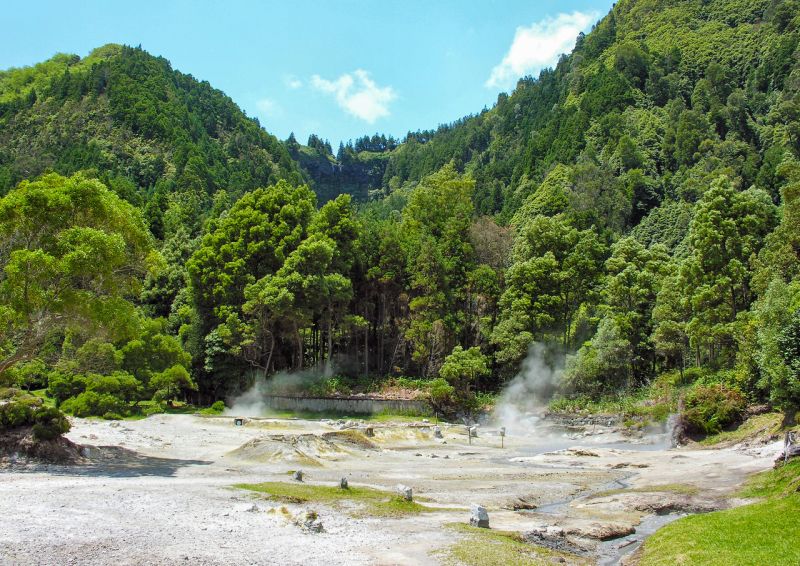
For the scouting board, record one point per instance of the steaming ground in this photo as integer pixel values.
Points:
(158, 491)
(526, 396)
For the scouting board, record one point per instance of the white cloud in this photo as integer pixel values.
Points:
(268, 107)
(292, 82)
(539, 46)
(358, 94)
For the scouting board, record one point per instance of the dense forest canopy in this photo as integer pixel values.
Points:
(634, 209)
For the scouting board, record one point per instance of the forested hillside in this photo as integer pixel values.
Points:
(634, 210)
(357, 169)
(158, 138)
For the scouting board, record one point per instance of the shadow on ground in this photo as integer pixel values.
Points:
(115, 462)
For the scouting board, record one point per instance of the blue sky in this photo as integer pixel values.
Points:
(337, 69)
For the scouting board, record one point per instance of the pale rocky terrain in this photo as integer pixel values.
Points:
(159, 491)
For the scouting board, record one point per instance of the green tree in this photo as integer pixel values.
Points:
(554, 271)
(621, 353)
(436, 225)
(169, 384)
(726, 233)
(153, 352)
(786, 392)
(776, 358)
(452, 391)
(73, 256)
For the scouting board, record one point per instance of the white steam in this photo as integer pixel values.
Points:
(251, 403)
(254, 401)
(524, 399)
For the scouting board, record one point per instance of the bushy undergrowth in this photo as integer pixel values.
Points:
(216, 408)
(23, 410)
(92, 403)
(653, 404)
(711, 401)
(710, 408)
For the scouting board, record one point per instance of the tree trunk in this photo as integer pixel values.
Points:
(328, 368)
(269, 356)
(299, 338)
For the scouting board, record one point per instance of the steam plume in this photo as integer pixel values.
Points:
(524, 398)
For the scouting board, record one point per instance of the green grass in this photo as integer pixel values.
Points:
(42, 394)
(774, 483)
(486, 547)
(753, 535)
(372, 502)
(768, 423)
(756, 534)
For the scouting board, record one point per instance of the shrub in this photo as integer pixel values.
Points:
(153, 409)
(218, 406)
(441, 395)
(727, 377)
(120, 384)
(31, 375)
(693, 374)
(91, 403)
(50, 423)
(22, 411)
(18, 412)
(61, 385)
(710, 408)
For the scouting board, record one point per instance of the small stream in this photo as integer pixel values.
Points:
(555, 436)
(611, 552)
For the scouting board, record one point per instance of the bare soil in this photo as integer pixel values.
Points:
(159, 491)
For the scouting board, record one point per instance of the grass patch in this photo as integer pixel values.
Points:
(374, 503)
(485, 547)
(42, 394)
(752, 535)
(766, 424)
(756, 534)
(679, 488)
(774, 483)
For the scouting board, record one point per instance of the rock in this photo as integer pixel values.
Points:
(369, 431)
(425, 420)
(586, 453)
(343, 483)
(297, 475)
(478, 516)
(114, 424)
(792, 451)
(437, 432)
(404, 492)
(554, 531)
(519, 504)
(247, 508)
(309, 522)
(665, 503)
(601, 531)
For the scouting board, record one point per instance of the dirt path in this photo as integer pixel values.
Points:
(160, 491)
